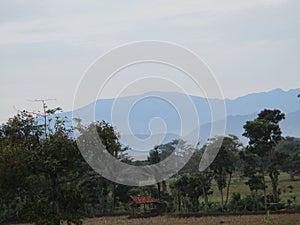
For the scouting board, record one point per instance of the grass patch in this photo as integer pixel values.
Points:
(238, 185)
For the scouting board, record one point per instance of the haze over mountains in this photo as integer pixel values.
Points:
(154, 116)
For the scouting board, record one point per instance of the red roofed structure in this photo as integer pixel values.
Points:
(138, 200)
(154, 207)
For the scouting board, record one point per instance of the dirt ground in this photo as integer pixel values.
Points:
(276, 219)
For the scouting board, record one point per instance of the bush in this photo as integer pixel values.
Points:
(250, 202)
(235, 203)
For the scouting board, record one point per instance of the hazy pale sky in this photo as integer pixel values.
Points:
(46, 46)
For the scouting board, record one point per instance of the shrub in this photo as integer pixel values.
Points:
(250, 202)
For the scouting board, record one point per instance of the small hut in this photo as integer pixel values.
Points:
(151, 205)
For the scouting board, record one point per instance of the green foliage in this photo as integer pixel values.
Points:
(252, 171)
(187, 188)
(289, 148)
(44, 179)
(266, 218)
(236, 204)
(40, 174)
(224, 164)
(13, 182)
(164, 150)
(252, 202)
(99, 187)
(261, 155)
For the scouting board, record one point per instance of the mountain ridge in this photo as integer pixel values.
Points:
(148, 106)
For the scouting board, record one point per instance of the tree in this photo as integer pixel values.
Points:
(205, 179)
(110, 139)
(264, 134)
(58, 161)
(224, 164)
(165, 150)
(44, 171)
(290, 148)
(154, 158)
(191, 183)
(252, 170)
(187, 186)
(21, 131)
(19, 137)
(13, 182)
(194, 190)
(178, 188)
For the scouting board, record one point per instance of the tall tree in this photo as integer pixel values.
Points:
(252, 170)
(19, 137)
(290, 148)
(264, 134)
(110, 139)
(178, 189)
(46, 169)
(154, 158)
(194, 190)
(57, 162)
(205, 179)
(224, 164)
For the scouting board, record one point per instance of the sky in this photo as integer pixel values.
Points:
(46, 46)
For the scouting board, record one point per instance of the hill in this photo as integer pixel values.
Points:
(155, 116)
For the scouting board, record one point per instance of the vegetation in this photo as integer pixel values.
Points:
(45, 180)
(260, 156)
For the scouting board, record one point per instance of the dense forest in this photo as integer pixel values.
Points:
(44, 178)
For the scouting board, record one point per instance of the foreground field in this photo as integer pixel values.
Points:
(282, 219)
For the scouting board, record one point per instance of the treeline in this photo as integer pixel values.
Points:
(44, 178)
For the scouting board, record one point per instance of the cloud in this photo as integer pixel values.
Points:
(242, 41)
(83, 23)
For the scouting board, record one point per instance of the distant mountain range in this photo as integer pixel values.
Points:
(138, 111)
